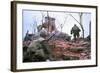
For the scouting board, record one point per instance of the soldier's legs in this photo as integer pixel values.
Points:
(75, 37)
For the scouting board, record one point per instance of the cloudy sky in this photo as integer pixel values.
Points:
(32, 18)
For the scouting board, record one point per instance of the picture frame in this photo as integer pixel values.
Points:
(69, 49)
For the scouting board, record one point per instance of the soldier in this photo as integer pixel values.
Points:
(44, 44)
(75, 31)
(39, 49)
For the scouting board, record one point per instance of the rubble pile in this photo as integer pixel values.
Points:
(61, 49)
(71, 50)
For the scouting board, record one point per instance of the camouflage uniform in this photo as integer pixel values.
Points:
(75, 31)
(39, 49)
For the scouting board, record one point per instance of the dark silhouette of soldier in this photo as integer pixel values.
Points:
(75, 31)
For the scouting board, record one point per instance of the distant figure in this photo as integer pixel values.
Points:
(75, 31)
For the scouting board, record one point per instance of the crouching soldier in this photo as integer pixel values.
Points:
(44, 44)
(75, 31)
(39, 49)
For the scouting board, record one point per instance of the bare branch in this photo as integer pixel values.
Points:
(74, 18)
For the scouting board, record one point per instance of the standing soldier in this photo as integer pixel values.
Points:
(75, 31)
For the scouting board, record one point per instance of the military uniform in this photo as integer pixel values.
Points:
(75, 31)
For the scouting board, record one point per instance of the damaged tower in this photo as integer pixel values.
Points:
(49, 24)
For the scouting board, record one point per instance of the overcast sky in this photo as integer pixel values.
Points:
(31, 19)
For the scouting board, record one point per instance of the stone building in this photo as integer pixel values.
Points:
(49, 24)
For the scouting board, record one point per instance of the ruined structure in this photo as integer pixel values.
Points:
(49, 24)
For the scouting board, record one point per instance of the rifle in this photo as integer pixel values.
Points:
(50, 37)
